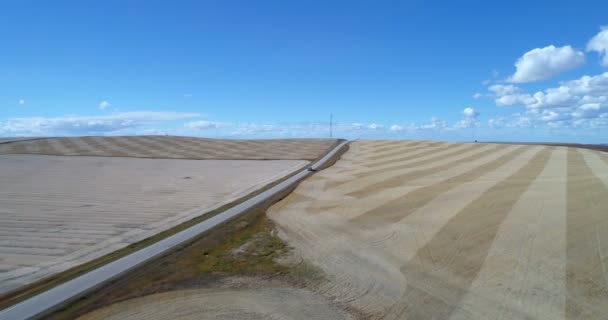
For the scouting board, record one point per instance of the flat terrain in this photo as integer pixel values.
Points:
(57, 212)
(170, 147)
(431, 230)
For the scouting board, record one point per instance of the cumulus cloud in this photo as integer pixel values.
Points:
(435, 124)
(375, 126)
(592, 85)
(470, 112)
(396, 128)
(599, 44)
(201, 125)
(514, 120)
(477, 96)
(578, 103)
(544, 63)
(575, 103)
(82, 125)
(561, 96)
(587, 89)
(469, 120)
(591, 110)
(104, 104)
(509, 95)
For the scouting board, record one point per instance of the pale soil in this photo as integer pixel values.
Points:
(59, 212)
(430, 230)
(269, 302)
(465, 231)
(171, 147)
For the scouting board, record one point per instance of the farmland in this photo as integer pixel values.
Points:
(170, 147)
(433, 230)
(67, 201)
(458, 231)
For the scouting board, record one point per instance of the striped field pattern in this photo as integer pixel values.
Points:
(58, 211)
(171, 147)
(431, 230)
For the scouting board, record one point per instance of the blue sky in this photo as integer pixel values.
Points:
(457, 70)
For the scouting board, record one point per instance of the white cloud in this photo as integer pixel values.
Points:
(82, 125)
(477, 96)
(357, 126)
(502, 89)
(544, 63)
(104, 104)
(509, 95)
(321, 129)
(470, 118)
(561, 96)
(553, 116)
(514, 120)
(396, 127)
(593, 85)
(514, 99)
(591, 110)
(579, 103)
(569, 94)
(201, 125)
(435, 124)
(599, 44)
(21, 101)
(470, 112)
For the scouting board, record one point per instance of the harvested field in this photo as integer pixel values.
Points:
(59, 212)
(170, 147)
(426, 230)
(429, 230)
(67, 201)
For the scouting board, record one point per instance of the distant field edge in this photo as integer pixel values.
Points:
(597, 147)
(4, 140)
(44, 296)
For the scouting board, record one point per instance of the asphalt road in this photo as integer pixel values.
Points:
(57, 296)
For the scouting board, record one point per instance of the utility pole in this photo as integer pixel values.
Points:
(331, 125)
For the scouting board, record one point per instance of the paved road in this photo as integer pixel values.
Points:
(55, 297)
